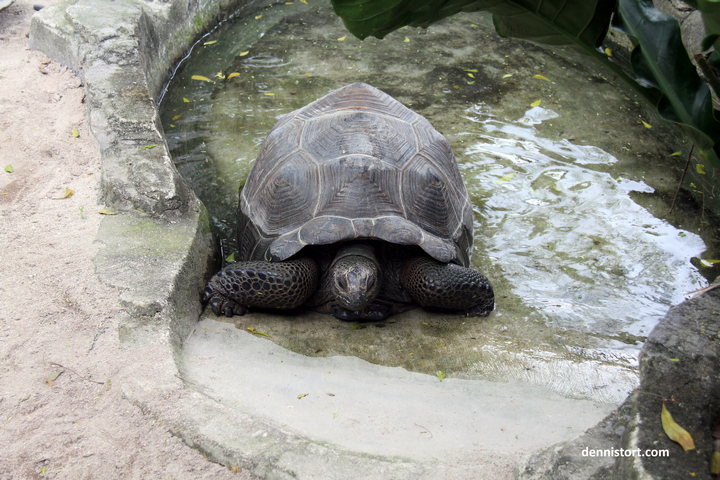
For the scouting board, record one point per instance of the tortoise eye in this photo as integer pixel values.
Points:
(342, 283)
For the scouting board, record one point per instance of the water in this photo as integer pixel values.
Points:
(565, 230)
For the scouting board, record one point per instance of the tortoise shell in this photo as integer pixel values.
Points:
(355, 164)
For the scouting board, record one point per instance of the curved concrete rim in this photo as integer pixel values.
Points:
(160, 250)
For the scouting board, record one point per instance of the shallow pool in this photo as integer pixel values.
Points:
(558, 158)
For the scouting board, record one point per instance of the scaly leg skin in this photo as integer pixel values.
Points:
(446, 285)
(242, 285)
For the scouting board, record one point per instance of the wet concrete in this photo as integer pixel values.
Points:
(159, 253)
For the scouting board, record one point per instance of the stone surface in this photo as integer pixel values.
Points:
(679, 366)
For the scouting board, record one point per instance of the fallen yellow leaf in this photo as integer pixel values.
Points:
(540, 77)
(304, 1)
(75, 133)
(715, 463)
(406, 39)
(105, 211)
(342, 39)
(210, 42)
(507, 75)
(700, 168)
(608, 52)
(257, 332)
(675, 432)
(440, 374)
(186, 100)
(200, 78)
(647, 125)
(233, 75)
(471, 75)
(536, 103)
(69, 192)
(242, 54)
(270, 94)
(302, 395)
(675, 154)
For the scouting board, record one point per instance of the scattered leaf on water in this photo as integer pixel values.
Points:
(147, 147)
(257, 332)
(715, 463)
(675, 154)
(342, 39)
(675, 432)
(210, 42)
(242, 54)
(230, 258)
(233, 75)
(75, 133)
(507, 75)
(608, 52)
(200, 78)
(700, 168)
(647, 125)
(440, 374)
(186, 100)
(540, 77)
(302, 395)
(506, 178)
(105, 211)
(536, 103)
(9, 169)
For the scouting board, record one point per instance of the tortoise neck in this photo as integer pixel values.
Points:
(355, 249)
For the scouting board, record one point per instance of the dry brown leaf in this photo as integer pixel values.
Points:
(675, 432)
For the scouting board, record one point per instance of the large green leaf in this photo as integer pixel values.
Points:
(660, 61)
(547, 21)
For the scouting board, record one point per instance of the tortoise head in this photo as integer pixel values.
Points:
(355, 277)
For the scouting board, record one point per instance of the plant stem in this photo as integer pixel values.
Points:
(682, 179)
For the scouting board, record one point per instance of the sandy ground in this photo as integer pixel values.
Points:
(55, 316)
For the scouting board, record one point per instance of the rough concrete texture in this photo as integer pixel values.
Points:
(679, 366)
(158, 251)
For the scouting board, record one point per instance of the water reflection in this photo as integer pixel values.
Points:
(569, 238)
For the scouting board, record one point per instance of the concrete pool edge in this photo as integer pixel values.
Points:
(123, 53)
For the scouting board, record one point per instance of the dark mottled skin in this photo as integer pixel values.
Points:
(445, 285)
(281, 285)
(402, 280)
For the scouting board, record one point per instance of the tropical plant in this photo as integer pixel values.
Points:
(662, 71)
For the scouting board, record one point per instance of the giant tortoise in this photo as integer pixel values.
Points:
(354, 207)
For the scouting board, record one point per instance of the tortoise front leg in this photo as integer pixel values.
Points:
(241, 285)
(445, 285)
